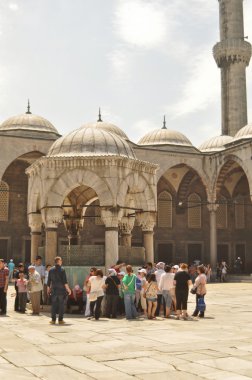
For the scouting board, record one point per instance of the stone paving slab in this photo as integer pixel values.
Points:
(216, 347)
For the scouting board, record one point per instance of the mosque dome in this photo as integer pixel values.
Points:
(89, 142)
(28, 125)
(100, 124)
(164, 136)
(215, 143)
(244, 133)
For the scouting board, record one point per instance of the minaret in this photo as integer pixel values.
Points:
(232, 55)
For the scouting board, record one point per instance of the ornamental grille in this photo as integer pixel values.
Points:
(165, 210)
(221, 214)
(4, 202)
(194, 211)
(239, 214)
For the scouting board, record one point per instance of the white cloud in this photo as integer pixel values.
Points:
(13, 6)
(141, 23)
(141, 127)
(200, 90)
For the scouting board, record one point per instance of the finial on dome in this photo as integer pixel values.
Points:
(164, 123)
(99, 115)
(28, 107)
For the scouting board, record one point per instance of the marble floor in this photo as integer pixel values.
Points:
(216, 347)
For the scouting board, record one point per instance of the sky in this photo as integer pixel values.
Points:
(136, 59)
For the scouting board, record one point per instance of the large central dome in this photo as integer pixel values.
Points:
(89, 141)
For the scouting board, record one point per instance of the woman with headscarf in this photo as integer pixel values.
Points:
(112, 284)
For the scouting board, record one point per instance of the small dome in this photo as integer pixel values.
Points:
(244, 133)
(27, 125)
(215, 143)
(88, 142)
(106, 127)
(164, 136)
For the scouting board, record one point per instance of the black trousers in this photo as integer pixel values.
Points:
(97, 304)
(181, 299)
(111, 305)
(160, 299)
(3, 301)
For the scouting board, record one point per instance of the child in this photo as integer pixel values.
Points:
(22, 292)
(151, 295)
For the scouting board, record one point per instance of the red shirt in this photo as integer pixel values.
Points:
(3, 274)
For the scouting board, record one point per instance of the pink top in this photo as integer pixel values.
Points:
(22, 285)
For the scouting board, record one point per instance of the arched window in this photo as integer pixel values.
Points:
(165, 209)
(239, 213)
(4, 202)
(221, 213)
(194, 211)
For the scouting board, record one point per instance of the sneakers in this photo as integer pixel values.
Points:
(52, 322)
(62, 322)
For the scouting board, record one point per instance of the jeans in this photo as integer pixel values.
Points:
(58, 306)
(97, 304)
(3, 300)
(160, 300)
(196, 311)
(130, 309)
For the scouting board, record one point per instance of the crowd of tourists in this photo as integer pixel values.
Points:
(153, 290)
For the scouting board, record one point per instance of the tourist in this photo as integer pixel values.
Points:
(97, 285)
(35, 287)
(112, 283)
(182, 281)
(160, 300)
(200, 287)
(11, 267)
(76, 298)
(86, 288)
(224, 269)
(21, 269)
(58, 288)
(208, 272)
(21, 284)
(142, 273)
(121, 307)
(149, 269)
(46, 298)
(151, 294)
(166, 286)
(238, 265)
(40, 268)
(4, 281)
(129, 290)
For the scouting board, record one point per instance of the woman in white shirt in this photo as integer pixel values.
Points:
(166, 286)
(97, 286)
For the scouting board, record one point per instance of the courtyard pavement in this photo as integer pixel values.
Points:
(217, 347)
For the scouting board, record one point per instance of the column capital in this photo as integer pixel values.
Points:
(212, 207)
(110, 217)
(146, 220)
(52, 216)
(126, 225)
(35, 222)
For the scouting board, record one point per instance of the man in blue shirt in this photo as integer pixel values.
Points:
(11, 267)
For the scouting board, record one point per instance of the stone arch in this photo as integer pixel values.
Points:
(74, 178)
(141, 191)
(223, 172)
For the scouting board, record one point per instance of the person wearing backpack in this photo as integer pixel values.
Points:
(129, 290)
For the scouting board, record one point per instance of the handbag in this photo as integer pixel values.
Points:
(193, 290)
(144, 295)
(201, 305)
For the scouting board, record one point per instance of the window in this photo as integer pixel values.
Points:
(239, 214)
(194, 211)
(4, 202)
(165, 210)
(221, 213)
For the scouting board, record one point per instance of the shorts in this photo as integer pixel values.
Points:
(151, 299)
(167, 297)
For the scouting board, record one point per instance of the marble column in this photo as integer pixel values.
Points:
(35, 223)
(110, 219)
(126, 238)
(147, 221)
(126, 226)
(52, 216)
(213, 235)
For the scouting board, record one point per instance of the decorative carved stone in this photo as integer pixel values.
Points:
(146, 220)
(35, 222)
(52, 216)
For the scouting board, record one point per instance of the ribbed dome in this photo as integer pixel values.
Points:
(27, 122)
(215, 143)
(106, 127)
(164, 136)
(89, 142)
(244, 133)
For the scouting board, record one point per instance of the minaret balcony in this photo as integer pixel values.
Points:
(232, 51)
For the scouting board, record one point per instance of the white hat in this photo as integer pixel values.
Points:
(31, 267)
(112, 272)
(142, 271)
(160, 265)
(175, 267)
